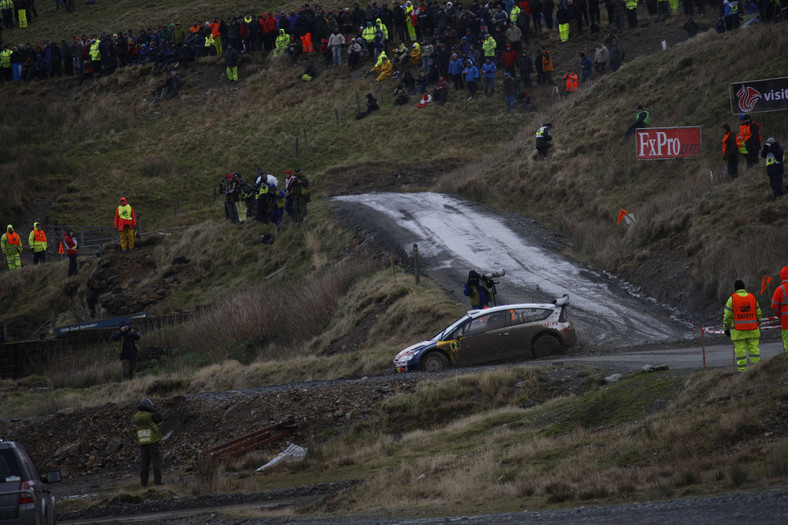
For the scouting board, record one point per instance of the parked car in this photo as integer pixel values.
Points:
(502, 333)
(24, 496)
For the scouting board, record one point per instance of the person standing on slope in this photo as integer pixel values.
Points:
(730, 152)
(775, 157)
(477, 292)
(71, 252)
(741, 319)
(146, 428)
(543, 141)
(780, 305)
(12, 247)
(125, 222)
(38, 243)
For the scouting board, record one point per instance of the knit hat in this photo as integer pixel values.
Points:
(770, 141)
(738, 285)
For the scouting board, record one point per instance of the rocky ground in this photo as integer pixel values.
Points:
(94, 448)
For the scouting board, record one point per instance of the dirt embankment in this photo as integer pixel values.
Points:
(81, 442)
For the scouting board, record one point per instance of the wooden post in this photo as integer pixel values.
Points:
(416, 261)
(703, 345)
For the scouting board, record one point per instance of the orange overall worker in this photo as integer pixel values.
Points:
(125, 222)
(12, 247)
(741, 320)
(780, 305)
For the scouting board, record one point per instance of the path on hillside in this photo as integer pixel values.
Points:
(455, 236)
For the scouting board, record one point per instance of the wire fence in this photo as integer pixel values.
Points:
(22, 358)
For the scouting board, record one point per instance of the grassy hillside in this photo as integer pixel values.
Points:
(692, 237)
(643, 438)
(69, 152)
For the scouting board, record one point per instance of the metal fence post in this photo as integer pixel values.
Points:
(416, 262)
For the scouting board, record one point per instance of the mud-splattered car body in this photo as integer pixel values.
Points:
(502, 333)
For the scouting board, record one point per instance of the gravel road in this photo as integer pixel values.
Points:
(455, 236)
(762, 508)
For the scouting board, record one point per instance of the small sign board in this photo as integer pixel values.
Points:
(759, 96)
(667, 143)
(98, 323)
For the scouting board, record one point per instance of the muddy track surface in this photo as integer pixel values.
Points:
(455, 236)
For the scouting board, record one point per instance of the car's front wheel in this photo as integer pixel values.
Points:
(546, 345)
(434, 362)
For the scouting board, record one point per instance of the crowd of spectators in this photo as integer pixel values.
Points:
(421, 44)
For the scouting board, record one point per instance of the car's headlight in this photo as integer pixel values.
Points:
(405, 356)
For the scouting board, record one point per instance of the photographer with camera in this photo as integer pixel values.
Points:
(127, 340)
(477, 291)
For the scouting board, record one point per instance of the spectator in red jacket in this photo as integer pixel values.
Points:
(71, 252)
(509, 59)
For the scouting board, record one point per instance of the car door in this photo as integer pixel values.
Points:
(484, 339)
(524, 324)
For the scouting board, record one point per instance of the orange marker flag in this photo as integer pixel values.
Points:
(765, 283)
(60, 250)
(621, 214)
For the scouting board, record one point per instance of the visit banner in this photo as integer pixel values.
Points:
(759, 96)
(668, 143)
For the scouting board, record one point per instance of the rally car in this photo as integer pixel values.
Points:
(502, 333)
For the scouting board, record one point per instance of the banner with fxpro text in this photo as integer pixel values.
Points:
(667, 143)
(759, 96)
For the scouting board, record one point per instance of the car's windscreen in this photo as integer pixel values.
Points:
(447, 333)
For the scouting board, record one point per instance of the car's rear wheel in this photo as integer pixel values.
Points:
(434, 362)
(546, 345)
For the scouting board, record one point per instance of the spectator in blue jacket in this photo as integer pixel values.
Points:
(488, 70)
(471, 76)
(455, 71)
(586, 64)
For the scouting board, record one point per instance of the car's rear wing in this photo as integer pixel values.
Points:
(561, 301)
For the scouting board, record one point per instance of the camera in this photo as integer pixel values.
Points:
(495, 273)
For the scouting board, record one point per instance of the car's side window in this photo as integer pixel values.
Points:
(528, 315)
(485, 323)
(10, 468)
(471, 327)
